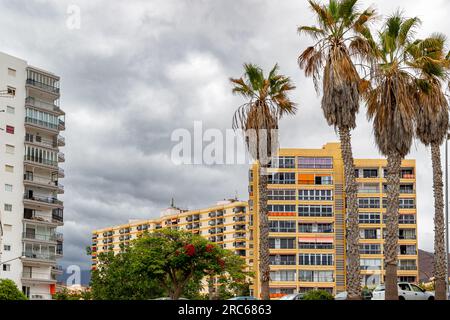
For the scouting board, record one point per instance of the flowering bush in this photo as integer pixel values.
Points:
(190, 250)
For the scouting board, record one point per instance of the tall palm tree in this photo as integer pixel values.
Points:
(432, 129)
(330, 58)
(267, 101)
(391, 106)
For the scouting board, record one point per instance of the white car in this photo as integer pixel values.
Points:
(293, 296)
(406, 291)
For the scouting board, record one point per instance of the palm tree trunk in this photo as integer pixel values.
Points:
(211, 288)
(353, 273)
(264, 258)
(394, 162)
(440, 265)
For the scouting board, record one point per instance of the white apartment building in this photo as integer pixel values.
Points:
(30, 212)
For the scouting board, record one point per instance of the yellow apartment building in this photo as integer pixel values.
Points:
(307, 222)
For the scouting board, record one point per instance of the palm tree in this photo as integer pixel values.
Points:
(267, 101)
(330, 57)
(391, 106)
(432, 129)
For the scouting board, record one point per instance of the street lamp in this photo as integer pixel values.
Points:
(21, 257)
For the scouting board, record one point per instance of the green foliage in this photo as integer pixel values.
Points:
(318, 295)
(164, 263)
(9, 291)
(67, 295)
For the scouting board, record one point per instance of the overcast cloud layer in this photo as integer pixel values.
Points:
(137, 70)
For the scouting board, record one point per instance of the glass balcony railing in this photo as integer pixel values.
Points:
(39, 237)
(43, 86)
(49, 200)
(42, 123)
(41, 160)
(39, 255)
(32, 101)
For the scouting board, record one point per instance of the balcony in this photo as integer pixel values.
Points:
(39, 237)
(61, 157)
(42, 124)
(61, 173)
(57, 269)
(42, 199)
(42, 86)
(38, 217)
(58, 216)
(38, 277)
(40, 161)
(61, 141)
(43, 105)
(43, 256)
(41, 181)
(61, 125)
(40, 141)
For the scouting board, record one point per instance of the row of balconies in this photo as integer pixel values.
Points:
(56, 216)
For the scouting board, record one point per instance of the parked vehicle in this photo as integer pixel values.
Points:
(169, 298)
(406, 291)
(366, 295)
(293, 296)
(244, 298)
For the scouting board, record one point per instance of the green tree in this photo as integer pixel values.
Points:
(174, 258)
(430, 61)
(340, 24)
(116, 278)
(318, 295)
(9, 291)
(391, 106)
(267, 101)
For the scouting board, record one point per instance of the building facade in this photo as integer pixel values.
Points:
(307, 220)
(226, 224)
(30, 173)
(306, 201)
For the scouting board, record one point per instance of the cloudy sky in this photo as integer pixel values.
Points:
(136, 70)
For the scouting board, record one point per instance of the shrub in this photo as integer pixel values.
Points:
(318, 295)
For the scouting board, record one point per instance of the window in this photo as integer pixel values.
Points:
(315, 163)
(315, 245)
(10, 110)
(8, 187)
(370, 173)
(10, 129)
(369, 203)
(315, 227)
(282, 260)
(281, 208)
(409, 234)
(369, 218)
(315, 259)
(315, 195)
(6, 267)
(315, 276)
(370, 248)
(282, 243)
(370, 233)
(406, 203)
(407, 249)
(282, 275)
(9, 149)
(11, 91)
(315, 211)
(407, 264)
(11, 72)
(281, 178)
(282, 226)
(370, 264)
(6, 247)
(283, 162)
(8, 207)
(9, 168)
(281, 194)
(406, 219)
(368, 188)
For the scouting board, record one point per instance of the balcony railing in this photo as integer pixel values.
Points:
(39, 237)
(32, 101)
(61, 141)
(41, 142)
(44, 124)
(400, 267)
(58, 215)
(40, 160)
(43, 86)
(39, 255)
(43, 199)
(32, 275)
(61, 157)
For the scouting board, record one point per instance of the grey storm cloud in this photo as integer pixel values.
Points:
(137, 70)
